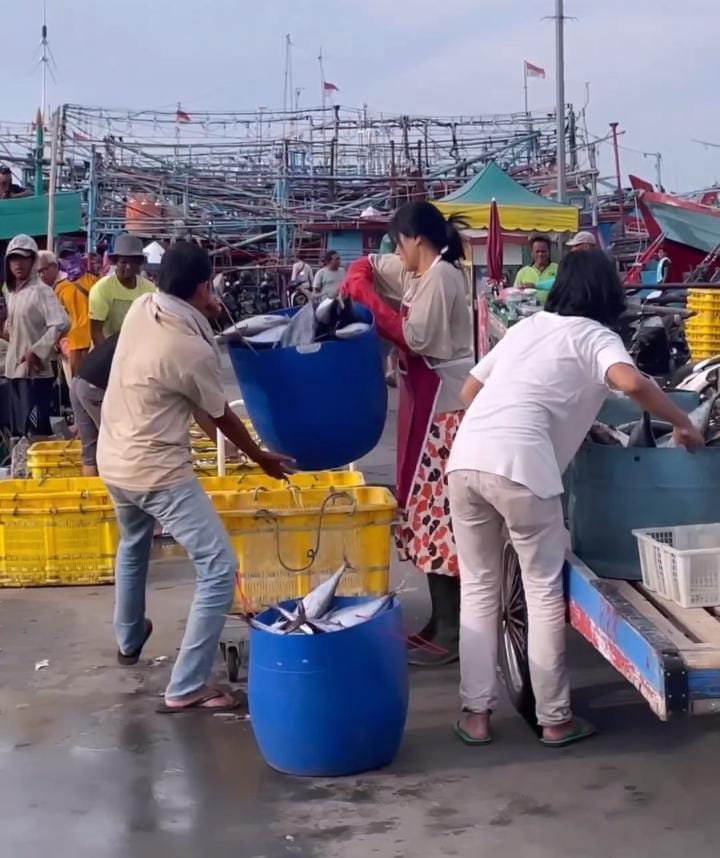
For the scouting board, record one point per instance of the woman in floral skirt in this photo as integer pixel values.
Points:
(420, 301)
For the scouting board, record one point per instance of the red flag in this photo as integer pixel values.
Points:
(79, 137)
(181, 116)
(533, 70)
(494, 266)
(330, 87)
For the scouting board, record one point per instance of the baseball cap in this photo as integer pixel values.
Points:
(584, 237)
(67, 247)
(20, 251)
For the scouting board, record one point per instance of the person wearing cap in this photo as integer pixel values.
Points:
(35, 323)
(8, 189)
(74, 294)
(113, 295)
(584, 240)
(541, 269)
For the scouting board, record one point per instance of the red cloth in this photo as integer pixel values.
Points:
(360, 286)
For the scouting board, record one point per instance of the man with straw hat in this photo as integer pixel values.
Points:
(112, 297)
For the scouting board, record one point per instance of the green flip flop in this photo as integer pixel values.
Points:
(582, 730)
(467, 739)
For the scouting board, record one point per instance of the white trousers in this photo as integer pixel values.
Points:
(480, 504)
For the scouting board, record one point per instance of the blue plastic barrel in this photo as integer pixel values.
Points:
(323, 404)
(330, 704)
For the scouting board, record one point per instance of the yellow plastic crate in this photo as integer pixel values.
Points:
(257, 482)
(704, 299)
(54, 459)
(699, 326)
(56, 531)
(288, 541)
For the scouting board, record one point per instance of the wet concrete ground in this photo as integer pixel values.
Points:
(89, 770)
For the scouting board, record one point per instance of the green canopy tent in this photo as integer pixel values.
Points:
(519, 209)
(29, 215)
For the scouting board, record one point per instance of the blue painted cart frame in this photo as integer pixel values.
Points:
(670, 654)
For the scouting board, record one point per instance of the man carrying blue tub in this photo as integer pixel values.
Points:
(166, 366)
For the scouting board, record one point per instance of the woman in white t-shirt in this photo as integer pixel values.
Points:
(531, 401)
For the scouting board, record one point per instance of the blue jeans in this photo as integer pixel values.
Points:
(185, 511)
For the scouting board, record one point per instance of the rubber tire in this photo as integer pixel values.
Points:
(232, 663)
(513, 637)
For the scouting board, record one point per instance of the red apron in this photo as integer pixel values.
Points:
(419, 386)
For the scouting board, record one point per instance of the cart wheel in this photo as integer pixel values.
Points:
(513, 643)
(233, 663)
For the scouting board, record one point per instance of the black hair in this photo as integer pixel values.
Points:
(422, 219)
(329, 256)
(545, 240)
(587, 284)
(183, 268)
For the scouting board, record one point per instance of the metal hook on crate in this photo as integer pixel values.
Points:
(312, 553)
(257, 490)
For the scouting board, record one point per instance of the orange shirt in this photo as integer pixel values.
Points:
(73, 295)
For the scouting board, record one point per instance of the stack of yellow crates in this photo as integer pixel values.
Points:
(287, 536)
(703, 329)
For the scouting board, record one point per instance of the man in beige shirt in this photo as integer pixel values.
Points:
(166, 366)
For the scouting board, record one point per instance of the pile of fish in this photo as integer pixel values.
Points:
(315, 614)
(648, 432)
(319, 320)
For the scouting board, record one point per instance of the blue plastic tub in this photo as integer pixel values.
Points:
(330, 704)
(323, 404)
(615, 490)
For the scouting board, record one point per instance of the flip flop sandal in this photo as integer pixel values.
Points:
(199, 705)
(582, 730)
(134, 657)
(467, 739)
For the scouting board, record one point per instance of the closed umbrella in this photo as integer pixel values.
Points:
(494, 269)
(493, 275)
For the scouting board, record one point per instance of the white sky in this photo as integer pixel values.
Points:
(652, 65)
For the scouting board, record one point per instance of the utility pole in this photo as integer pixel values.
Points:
(560, 99)
(620, 195)
(54, 153)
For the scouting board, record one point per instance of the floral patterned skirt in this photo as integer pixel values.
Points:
(425, 535)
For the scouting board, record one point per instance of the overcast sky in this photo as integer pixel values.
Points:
(652, 65)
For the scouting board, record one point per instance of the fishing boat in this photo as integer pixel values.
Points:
(690, 230)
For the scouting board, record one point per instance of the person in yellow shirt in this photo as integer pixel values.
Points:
(113, 295)
(541, 269)
(73, 293)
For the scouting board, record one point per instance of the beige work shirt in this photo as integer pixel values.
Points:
(162, 370)
(437, 324)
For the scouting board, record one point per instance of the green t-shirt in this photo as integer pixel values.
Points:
(530, 274)
(110, 301)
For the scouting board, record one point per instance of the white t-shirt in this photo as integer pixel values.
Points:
(543, 385)
(303, 272)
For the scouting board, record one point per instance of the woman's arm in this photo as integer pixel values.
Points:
(645, 393)
(470, 390)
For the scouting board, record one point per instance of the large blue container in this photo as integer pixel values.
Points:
(613, 490)
(323, 404)
(330, 704)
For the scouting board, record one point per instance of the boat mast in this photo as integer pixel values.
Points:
(560, 99)
(44, 62)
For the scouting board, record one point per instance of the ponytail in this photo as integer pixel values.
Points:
(422, 219)
(454, 250)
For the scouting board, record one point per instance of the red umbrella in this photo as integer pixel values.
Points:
(494, 268)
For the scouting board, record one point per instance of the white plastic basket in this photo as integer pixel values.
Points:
(682, 563)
